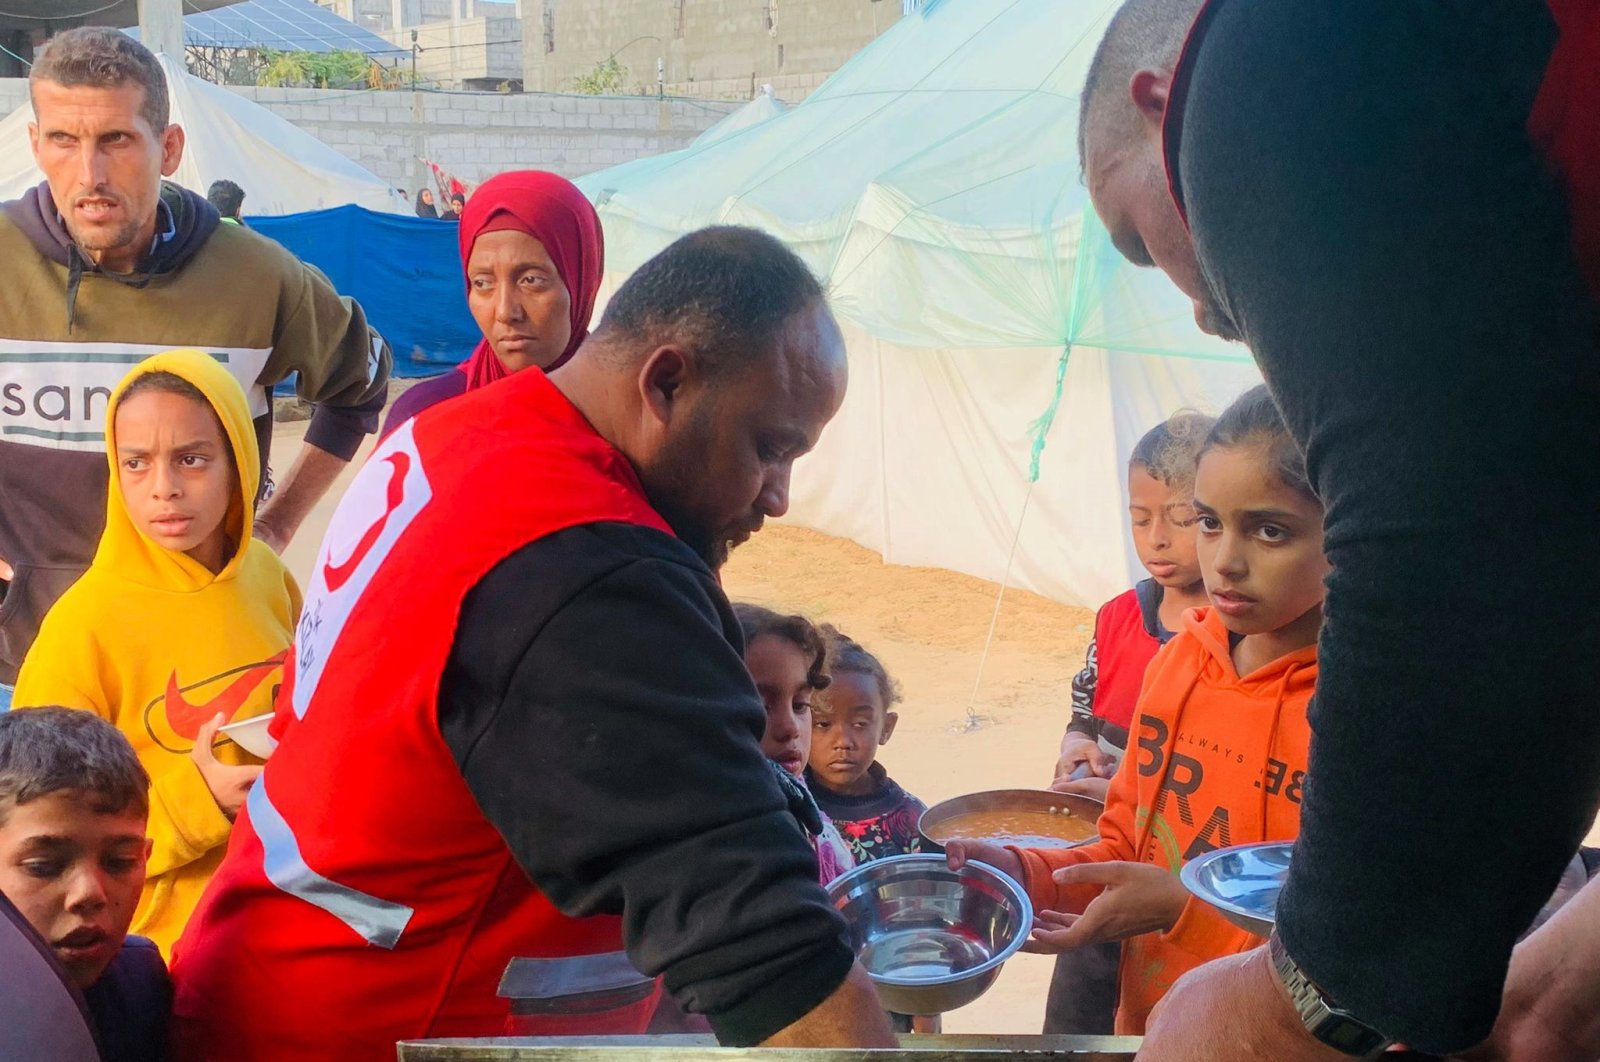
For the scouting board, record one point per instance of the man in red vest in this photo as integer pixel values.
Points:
(518, 720)
(1396, 204)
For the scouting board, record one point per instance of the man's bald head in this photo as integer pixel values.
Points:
(725, 292)
(1122, 113)
(1142, 35)
(715, 368)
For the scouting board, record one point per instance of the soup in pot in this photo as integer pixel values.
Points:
(1032, 828)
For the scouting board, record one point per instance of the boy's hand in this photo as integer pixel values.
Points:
(1097, 788)
(229, 785)
(1138, 898)
(959, 853)
(1080, 751)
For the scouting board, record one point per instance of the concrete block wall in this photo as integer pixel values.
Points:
(476, 134)
(710, 48)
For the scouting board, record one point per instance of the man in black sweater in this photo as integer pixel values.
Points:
(1354, 190)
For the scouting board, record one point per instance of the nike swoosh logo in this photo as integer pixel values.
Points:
(336, 575)
(186, 718)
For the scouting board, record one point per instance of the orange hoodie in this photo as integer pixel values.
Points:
(1215, 759)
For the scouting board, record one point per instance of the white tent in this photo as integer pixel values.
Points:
(765, 107)
(1003, 358)
(281, 169)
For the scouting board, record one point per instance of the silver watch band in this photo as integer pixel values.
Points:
(1336, 1028)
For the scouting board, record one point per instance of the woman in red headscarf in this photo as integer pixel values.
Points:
(533, 254)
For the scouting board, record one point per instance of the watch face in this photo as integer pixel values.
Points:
(1350, 1037)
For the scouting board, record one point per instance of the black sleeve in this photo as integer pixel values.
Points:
(1083, 719)
(1368, 210)
(340, 430)
(614, 741)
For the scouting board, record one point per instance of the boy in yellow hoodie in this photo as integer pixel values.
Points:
(182, 621)
(1217, 752)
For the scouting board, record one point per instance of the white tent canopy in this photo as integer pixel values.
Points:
(1003, 358)
(281, 169)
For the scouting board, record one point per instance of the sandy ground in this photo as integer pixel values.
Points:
(929, 626)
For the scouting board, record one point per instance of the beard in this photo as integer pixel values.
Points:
(103, 239)
(672, 482)
(1217, 321)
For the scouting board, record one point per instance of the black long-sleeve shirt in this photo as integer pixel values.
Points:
(597, 703)
(1368, 208)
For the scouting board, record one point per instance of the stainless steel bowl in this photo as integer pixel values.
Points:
(1242, 882)
(932, 939)
(935, 818)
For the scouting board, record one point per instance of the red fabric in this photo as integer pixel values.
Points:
(1123, 651)
(554, 212)
(363, 777)
(1565, 123)
(1177, 98)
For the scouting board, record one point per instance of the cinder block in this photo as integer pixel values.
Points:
(372, 114)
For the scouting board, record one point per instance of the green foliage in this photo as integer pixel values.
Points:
(315, 69)
(604, 80)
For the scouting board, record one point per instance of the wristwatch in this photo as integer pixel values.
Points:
(1322, 1019)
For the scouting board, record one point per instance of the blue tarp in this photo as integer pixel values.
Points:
(405, 273)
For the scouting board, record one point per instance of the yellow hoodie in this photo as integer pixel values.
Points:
(152, 641)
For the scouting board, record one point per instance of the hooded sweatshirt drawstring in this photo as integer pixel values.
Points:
(193, 220)
(1141, 845)
(1272, 738)
(78, 265)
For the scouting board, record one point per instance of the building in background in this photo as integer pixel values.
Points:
(26, 24)
(459, 44)
(721, 49)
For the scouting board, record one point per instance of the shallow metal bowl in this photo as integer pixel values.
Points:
(1242, 882)
(932, 939)
(933, 821)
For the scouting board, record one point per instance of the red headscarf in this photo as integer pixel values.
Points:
(554, 212)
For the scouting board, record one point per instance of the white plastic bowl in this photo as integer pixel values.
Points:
(251, 735)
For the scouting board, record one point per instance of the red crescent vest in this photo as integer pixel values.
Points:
(364, 898)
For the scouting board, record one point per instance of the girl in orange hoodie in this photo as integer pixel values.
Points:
(1218, 749)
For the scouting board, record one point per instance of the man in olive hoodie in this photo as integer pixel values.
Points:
(105, 264)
